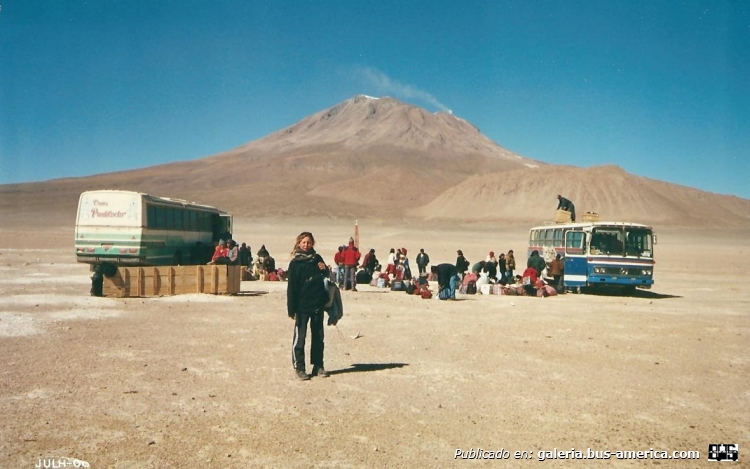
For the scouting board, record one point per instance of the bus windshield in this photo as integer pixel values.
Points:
(619, 241)
(638, 242)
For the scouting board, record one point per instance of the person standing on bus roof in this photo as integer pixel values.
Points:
(306, 296)
(567, 205)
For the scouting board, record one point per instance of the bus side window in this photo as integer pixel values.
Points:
(160, 220)
(151, 217)
(178, 219)
(574, 242)
(558, 237)
(193, 221)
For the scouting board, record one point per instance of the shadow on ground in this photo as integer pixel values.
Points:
(614, 291)
(251, 293)
(363, 367)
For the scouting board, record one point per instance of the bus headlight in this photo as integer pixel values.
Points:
(599, 270)
(646, 272)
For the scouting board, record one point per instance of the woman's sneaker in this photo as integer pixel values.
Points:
(302, 375)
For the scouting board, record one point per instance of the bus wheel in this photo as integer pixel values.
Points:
(177, 259)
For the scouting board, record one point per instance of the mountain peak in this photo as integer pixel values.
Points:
(363, 122)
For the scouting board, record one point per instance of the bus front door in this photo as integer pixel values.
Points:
(576, 264)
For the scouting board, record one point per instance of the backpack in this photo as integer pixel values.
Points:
(426, 294)
(410, 289)
(471, 287)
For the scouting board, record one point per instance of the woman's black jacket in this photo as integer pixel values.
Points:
(306, 292)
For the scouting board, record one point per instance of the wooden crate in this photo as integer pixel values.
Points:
(590, 216)
(172, 280)
(562, 216)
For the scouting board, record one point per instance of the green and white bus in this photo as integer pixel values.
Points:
(131, 228)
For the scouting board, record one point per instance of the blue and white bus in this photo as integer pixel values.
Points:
(132, 228)
(600, 253)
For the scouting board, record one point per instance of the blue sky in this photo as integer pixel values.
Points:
(660, 88)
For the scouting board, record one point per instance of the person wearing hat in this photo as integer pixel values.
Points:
(220, 253)
(567, 205)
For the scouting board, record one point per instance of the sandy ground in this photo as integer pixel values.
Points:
(200, 381)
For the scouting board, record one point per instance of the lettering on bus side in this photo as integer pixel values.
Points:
(95, 213)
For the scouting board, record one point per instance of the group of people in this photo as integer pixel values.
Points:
(532, 276)
(307, 294)
(498, 268)
(226, 253)
(264, 267)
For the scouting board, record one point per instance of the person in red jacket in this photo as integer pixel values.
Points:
(351, 261)
(529, 279)
(338, 259)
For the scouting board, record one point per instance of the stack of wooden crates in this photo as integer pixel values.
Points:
(172, 280)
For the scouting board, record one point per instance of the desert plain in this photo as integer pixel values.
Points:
(204, 381)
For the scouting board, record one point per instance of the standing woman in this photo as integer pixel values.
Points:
(502, 267)
(306, 295)
(510, 264)
(461, 263)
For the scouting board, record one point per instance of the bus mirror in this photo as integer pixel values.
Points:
(654, 238)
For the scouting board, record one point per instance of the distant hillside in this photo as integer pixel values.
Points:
(531, 195)
(384, 159)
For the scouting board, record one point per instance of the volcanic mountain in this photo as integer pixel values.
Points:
(380, 158)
